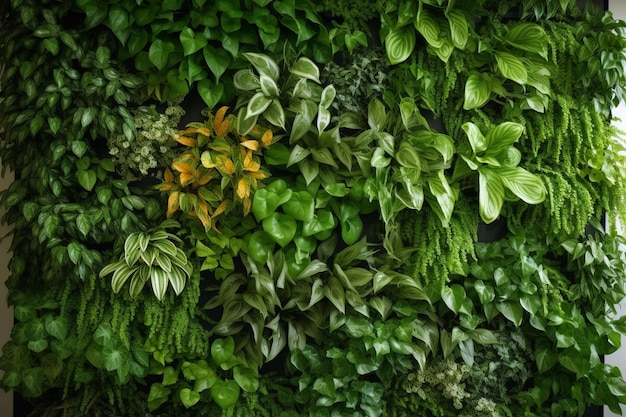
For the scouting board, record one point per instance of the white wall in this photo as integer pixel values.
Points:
(6, 314)
(618, 7)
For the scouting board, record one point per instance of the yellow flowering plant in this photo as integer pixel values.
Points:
(218, 171)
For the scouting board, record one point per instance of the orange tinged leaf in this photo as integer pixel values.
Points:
(257, 175)
(219, 116)
(220, 209)
(204, 179)
(168, 175)
(250, 144)
(267, 137)
(186, 140)
(186, 178)
(203, 213)
(247, 203)
(172, 203)
(243, 188)
(222, 129)
(182, 166)
(227, 166)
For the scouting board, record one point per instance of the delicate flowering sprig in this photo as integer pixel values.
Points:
(218, 172)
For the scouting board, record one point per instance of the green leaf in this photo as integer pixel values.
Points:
(268, 86)
(225, 393)
(159, 53)
(87, 179)
(399, 44)
(512, 311)
(300, 206)
(477, 90)
(529, 37)
(459, 28)
(275, 114)
(191, 41)
(501, 137)
(334, 291)
(263, 64)
(188, 397)
(218, 60)
(307, 69)
(476, 138)
(453, 296)
(222, 350)
(247, 378)
(490, 195)
(260, 246)
(246, 80)
(56, 327)
(523, 184)
(428, 26)
(257, 104)
(159, 279)
(280, 227)
(211, 93)
(268, 199)
(512, 67)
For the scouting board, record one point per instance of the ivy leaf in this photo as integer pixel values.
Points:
(210, 92)
(159, 52)
(453, 296)
(218, 60)
(188, 397)
(87, 179)
(191, 41)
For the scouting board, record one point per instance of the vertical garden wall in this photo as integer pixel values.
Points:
(313, 208)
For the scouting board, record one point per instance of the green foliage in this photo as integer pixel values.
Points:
(362, 77)
(343, 240)
(151, 256)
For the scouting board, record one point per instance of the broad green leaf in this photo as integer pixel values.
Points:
(376, 115)
(300, 206)
(453, 296)
(218, 60)
(159, 53)
(268, 86)
(247, 378)
(258, 104)
(476, 138)
(246, 80)
(263, 64)
(490, 195)
(428, 26)
(503, 136)
(512, 311)
(545, 359)
(188, 397)
(523, 184)
(225, 393)
(210, 92)
(399, 44)
(459, 28)
(275, 114)
(222, 350)
(529, 37)
(407, 156)
(477, 90)
(512, 67)
(159, 280)
(280, 227)
(334, 291)
(191, 41)
(87, 178)
(307, 69)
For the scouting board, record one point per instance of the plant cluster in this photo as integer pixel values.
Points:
(322, 225)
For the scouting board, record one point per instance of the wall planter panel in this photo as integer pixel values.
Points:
(313, 208)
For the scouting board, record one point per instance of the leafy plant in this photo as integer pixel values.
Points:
(496, 161)
(153, 256)
(218, 173)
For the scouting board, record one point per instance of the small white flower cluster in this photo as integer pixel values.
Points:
(150, 148)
